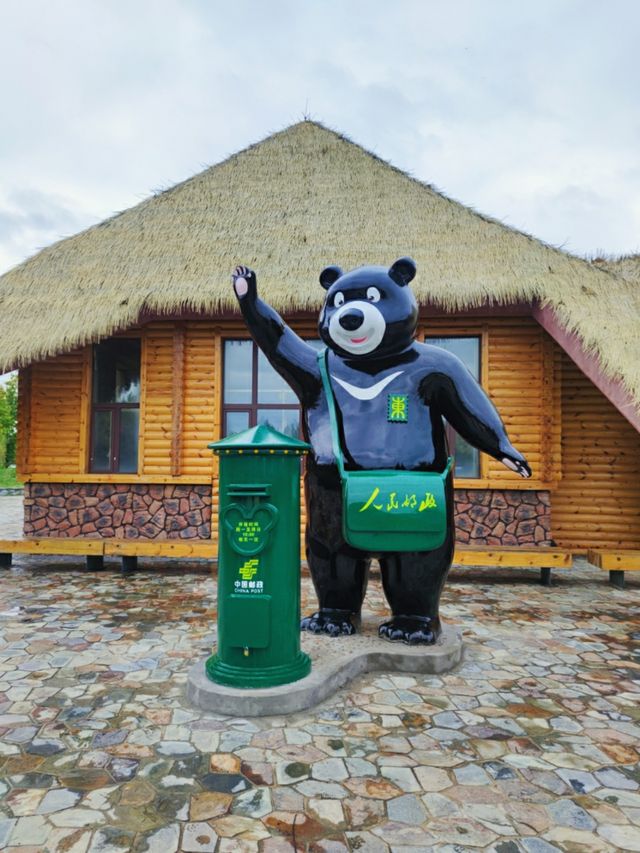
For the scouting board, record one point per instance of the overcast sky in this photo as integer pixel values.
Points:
(525, 111)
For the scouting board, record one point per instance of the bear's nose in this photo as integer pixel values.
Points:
(352, 320)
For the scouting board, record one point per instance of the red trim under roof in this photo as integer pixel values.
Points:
(588, 363)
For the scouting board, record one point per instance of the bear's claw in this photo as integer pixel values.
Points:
(412, 630)
(334, 623)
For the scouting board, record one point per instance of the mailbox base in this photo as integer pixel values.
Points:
(336, 660)
(268, 676)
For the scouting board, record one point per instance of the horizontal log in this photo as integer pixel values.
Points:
(613, 522)
(617, 473)
(47, 545)
(150, 477)
(199, 398)
(621, 494)
(594, 535)
(205, 548)
(43, 445)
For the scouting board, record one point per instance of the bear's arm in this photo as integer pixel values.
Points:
(457, 395)
(294, 360)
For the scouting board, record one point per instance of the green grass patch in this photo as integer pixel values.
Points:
(8, 478)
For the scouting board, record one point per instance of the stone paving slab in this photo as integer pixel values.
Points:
(531, 744)
(11, 516)
(335, 662)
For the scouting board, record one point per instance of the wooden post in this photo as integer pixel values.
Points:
(616, 579)
(144, 396)
(23, 460)
(548, 410)
(129, 565)
(177, 398)
(85, 411)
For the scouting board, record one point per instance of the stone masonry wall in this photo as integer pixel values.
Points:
(503, 517)
(123, 511)
(126, 511)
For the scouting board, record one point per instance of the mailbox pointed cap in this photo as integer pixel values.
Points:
(261, 439)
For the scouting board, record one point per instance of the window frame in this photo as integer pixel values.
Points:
(252, 407)
(115, 409)
(481, 333)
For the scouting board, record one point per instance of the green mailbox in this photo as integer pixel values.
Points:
(259, 560)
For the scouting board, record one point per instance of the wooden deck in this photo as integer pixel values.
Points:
(514, 556)
(616, 563)
(129, 550)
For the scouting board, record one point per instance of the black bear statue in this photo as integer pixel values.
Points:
(368, 323)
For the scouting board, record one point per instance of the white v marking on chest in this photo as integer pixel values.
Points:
(367, 393)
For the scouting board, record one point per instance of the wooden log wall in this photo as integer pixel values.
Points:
(156, 410)
(517, 371)
(589, 458)
(51, 405)
(597, 503)
(180, 409)
(200, 421)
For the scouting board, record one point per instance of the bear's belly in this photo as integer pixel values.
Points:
(373, 440)
(379, 433)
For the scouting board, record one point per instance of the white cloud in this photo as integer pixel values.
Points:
(528, 112)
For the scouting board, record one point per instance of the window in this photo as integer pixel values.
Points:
(115, 413)
(468, 350)
(254, 393)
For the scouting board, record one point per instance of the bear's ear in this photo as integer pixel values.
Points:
(403, 271)
(329, 275)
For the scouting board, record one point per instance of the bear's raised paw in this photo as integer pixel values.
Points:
(244, 281)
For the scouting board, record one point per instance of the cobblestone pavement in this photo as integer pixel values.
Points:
(530, 745)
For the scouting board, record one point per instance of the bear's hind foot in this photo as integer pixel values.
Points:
(412, 630)
(334, 623)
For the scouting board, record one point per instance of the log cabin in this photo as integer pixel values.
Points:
(132, 356)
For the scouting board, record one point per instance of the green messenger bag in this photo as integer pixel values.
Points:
(386, 509)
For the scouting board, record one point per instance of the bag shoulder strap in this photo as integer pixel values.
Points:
(331, 403)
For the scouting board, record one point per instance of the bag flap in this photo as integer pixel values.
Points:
(394, 501)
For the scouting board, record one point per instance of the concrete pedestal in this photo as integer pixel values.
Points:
(335, 662)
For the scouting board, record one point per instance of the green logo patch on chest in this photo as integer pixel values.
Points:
(398, 408)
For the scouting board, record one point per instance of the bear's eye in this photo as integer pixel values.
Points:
(338, 299)
(373, 294)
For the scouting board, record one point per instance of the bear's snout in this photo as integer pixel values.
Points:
(351, 320)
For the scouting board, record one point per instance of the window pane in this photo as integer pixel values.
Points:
(284, 420)
(101, 460)
(128, 447)
(467, 459)
(467, 349)
(316, 343)
(271, 386)
(238, 357)
(235, 422)
(116, 371)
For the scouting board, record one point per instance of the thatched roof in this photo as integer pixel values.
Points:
(627, 267)
(290, 205)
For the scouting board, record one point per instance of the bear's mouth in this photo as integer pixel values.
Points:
(359, 340)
